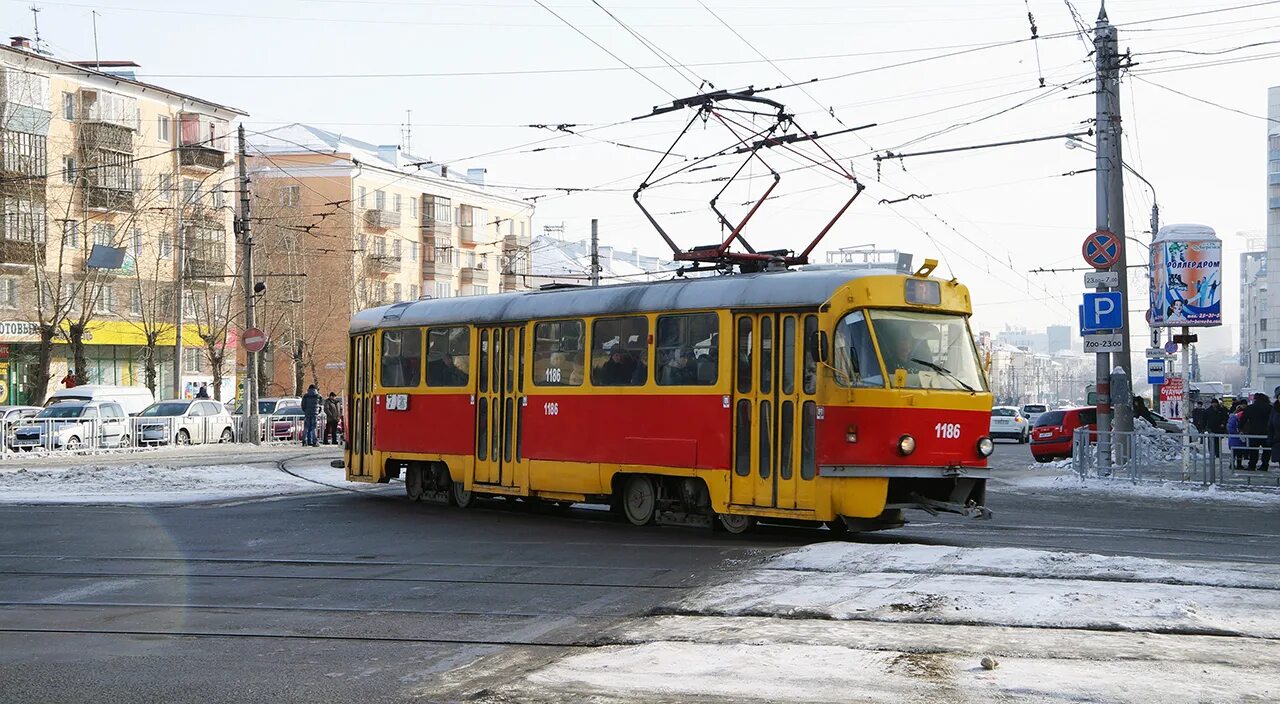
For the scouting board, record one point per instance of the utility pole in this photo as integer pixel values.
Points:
(595, 252)
(180, 253)
(1102, 182)
(250, 404)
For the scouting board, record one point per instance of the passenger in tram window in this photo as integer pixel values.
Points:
(619, 370)
(680, 369)
(443, 371)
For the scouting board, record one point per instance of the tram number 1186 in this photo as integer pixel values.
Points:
(947, 431)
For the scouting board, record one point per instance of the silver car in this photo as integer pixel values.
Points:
(73, 425)
(184, 423)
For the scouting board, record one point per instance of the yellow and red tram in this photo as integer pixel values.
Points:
(824, 395)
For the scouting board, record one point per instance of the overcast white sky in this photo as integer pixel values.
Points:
(356, 66)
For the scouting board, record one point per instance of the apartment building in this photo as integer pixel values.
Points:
(91, 156)
(342, 225)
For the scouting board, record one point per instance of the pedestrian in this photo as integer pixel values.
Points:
(204, 391)
(1197, 416)
(332, 409)
(1256, 421)
(69, 380)
(1234, 441)
(1273, 432)
(310, 409)
(1215, 422)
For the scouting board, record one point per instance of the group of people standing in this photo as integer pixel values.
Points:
(311, 406)
(1253, 432)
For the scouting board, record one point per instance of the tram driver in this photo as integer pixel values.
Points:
(902, 348)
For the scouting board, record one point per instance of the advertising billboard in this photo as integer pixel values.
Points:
(1186, 277)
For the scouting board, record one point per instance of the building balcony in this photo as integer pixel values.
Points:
(102, 198)
(196, 214)
(201, 157)
(106, 135)
(436, 229)
(205, 266)
(382, 263)
(467, 234)
(438, 268)
(511, 282)
(475, 275)
(381, 219)
(20, 252)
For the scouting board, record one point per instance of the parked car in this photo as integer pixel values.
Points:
(133, 399)
(9, 414)
(73, 425)
(286, 422)
(1032, 411)
(184, 422)
(1052, 434)
(1007, 422)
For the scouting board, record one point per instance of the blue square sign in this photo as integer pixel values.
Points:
(1102, 311)
(1155, 371)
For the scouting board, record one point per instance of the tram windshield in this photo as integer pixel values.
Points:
(932, 350)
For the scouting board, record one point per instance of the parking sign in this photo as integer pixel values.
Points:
(1102, 311)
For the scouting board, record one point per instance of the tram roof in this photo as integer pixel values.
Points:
(775, 289)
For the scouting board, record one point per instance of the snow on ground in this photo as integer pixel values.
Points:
(1058, 480)
(159, 482)
(839, 622)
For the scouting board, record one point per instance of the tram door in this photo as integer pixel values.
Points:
(768, 395)
(359, 422)
(500, 407)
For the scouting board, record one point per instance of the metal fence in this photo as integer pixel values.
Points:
(1156, 456)
(29, 437)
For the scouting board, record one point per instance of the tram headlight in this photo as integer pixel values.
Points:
(906, 445)
(986, 446)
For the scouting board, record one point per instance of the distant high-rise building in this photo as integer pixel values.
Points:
(1266, 377)
(1253, 302)
(1059, 338)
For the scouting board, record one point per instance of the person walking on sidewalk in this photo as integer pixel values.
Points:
(310, 409)
(1257, 422)
(332, 409)
(1234, 441)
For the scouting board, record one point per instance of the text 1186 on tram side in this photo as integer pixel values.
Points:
(832, 396)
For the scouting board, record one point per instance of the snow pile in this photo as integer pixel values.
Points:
(1026, 588)
(157, 482)
(1150, 489)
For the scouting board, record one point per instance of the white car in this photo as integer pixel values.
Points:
(73, 425)
(1007, 422)
(1032, 411)
(184, 423)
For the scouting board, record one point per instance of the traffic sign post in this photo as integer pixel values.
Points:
(1102, 250)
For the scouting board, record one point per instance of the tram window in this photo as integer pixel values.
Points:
(401, 358)
(786, 434)
(558, 353)
(808, 440)
(620, 352)
(482, 427)
(484, 360)
(688, 351)
(742, 446)
(927, 350)
(744, 355)
(854, 356)
(766, 355)
(448, 356)
(764, 458)
(510, 352)
(811, 343)
(788, 354)
(520, 379)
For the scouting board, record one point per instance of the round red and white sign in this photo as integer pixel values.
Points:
(254, 340)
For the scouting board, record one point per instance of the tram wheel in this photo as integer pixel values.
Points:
(460, 497)
(639, 499)
(736, 524)
(838, 527)
(413, 483)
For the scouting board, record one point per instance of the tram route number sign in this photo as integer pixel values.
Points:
(1101, 250)
(254, 339)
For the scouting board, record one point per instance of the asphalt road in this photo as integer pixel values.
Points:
(364, 596)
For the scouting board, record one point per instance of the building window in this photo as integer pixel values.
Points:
(191, 360)
(479, 290)
(218, 198)
(363, 196)
(290, 195)
(395, 249)
(413, 292)
(106, 300)
(396, 290)
(380, 246)
(1262, 324)
(68, 169)
(190, 191)
(188, 304)
(379, 200)
(8, 293)
(382, 291)
(162, 128)
(442, 289)
(413, 207)
(166, 187)
(413, 249)
(136, 244)
(166, 245)
(137, 180)
(69, 106)
(135, 302)
(104, 234)
(70, 233)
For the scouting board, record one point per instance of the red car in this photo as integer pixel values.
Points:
(1051, 437)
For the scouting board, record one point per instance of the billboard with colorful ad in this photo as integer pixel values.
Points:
(1186, 277)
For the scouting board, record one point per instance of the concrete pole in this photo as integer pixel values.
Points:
(595, 252)
(1102, 200)
(178, 279)
(250, 404)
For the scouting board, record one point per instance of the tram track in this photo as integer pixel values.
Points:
(337, 578)
(307, 637)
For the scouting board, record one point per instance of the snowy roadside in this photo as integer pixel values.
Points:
(839, 622)
(1052, 478)
(159, 482)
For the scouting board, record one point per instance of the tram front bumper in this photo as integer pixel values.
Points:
(959, 490)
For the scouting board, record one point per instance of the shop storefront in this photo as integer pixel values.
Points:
(115, 353)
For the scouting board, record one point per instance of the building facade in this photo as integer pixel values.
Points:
(1266, 375)
(341, 225)
(1253, 308)
(92, 157)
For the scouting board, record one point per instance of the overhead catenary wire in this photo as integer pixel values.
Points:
(605, 49)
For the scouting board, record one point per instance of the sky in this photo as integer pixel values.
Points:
(473, 79)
